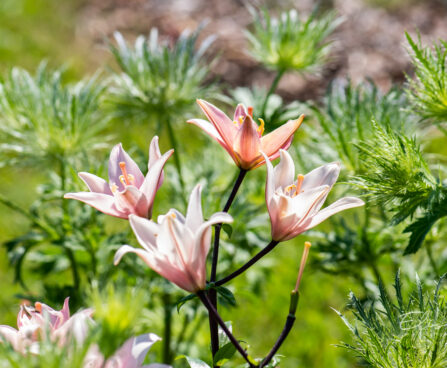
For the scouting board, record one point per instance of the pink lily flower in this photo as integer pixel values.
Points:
(294, 205)
(242, 138)
(176, 247)
(130, 355)
(128, 191)
(33, 323)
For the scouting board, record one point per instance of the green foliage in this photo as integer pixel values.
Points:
(289, 42)
(399, 331)
(45, 122)
(159, 82)
(428, 90)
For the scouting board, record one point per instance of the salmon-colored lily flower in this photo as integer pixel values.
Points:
(36, 323)
(176, 247)
(128, 191)
(130, 355)
(242, 137)
(294, 203)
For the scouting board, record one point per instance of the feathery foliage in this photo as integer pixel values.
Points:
(401, 332)
(158, 81)
(289, 42)
(44, 121)
(428, 90)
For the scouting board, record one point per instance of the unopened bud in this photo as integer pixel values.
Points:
(307, 246)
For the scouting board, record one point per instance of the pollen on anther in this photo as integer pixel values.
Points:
(299, 183)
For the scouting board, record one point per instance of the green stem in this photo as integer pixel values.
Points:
(272, 89)
(428, 248)
(177, 162)
(167, 334)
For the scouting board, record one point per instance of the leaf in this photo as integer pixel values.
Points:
(228, 230)
(193, 362)
(226, 295)
(183, 300)
(224, 354)
(223, 338)
(419, 230)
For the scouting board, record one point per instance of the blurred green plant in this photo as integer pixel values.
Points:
(46, 123)
(404, 332)
(428, 89)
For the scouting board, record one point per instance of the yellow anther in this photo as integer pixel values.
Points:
(173, 215)
(290, 190)
(241, 120)
(114, 188)
(299, 183)
(261, 127)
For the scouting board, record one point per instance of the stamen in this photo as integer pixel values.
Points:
(38, 307)
(289, 190)
(299, 183)
(261, 127)
(124, 171)
(173, 215)
(241, 120)
(114, 188)
(250, 110)
(306, 250)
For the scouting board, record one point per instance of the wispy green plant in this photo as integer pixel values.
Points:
(399, 331)
(428, 89)
(291, 42)
(159, 81)
(46, 122)
(346, 119)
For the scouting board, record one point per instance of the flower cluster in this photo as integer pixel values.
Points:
(177, 246)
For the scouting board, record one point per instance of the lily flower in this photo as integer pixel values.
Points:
(294, 204)
(242, 138)
(34, 323)
(128, 191)
(176, 246)
(130, 355)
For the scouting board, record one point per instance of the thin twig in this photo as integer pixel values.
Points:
(269, 247)
(203, 297)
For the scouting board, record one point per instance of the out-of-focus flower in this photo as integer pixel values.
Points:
(176, 247)
(130, 355)
(128, 191)
(294, 204)
(242, 137)
(35, 324)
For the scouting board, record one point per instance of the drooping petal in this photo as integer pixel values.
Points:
(270, 181)
(95, 183)
(132, 201)
(272, 142)
(323, 175)
(227, 130)
(247, 145)
(10, 335)
(340, 205)
(145, 230)
(194, 216)
(133, 352)
(304, 202)
(119, 155)
(102, 202)
(150, 183)
(284, 172)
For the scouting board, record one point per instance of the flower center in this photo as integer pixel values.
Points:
(294, 189)
(126, 179)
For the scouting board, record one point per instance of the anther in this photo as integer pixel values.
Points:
(261, 127)
(124, 171)
(250, 110)
(299, 183)
(38, 307)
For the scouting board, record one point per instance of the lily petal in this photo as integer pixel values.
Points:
(145, 230)
(95, 183)
(323, 175)
(118, 155)
(221, 122)
(272, 142)
(340, 205)
(154, 155)
(132, 200)
(102, 202)
(247, 144)
(284, 172)
(240, 112)
(194, 216)
(150, 183)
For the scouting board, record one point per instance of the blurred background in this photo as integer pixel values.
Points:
(368, 44)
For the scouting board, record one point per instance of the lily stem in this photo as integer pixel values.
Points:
(214, 331)
(212, 311)
(272, 89)
(268, 248)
